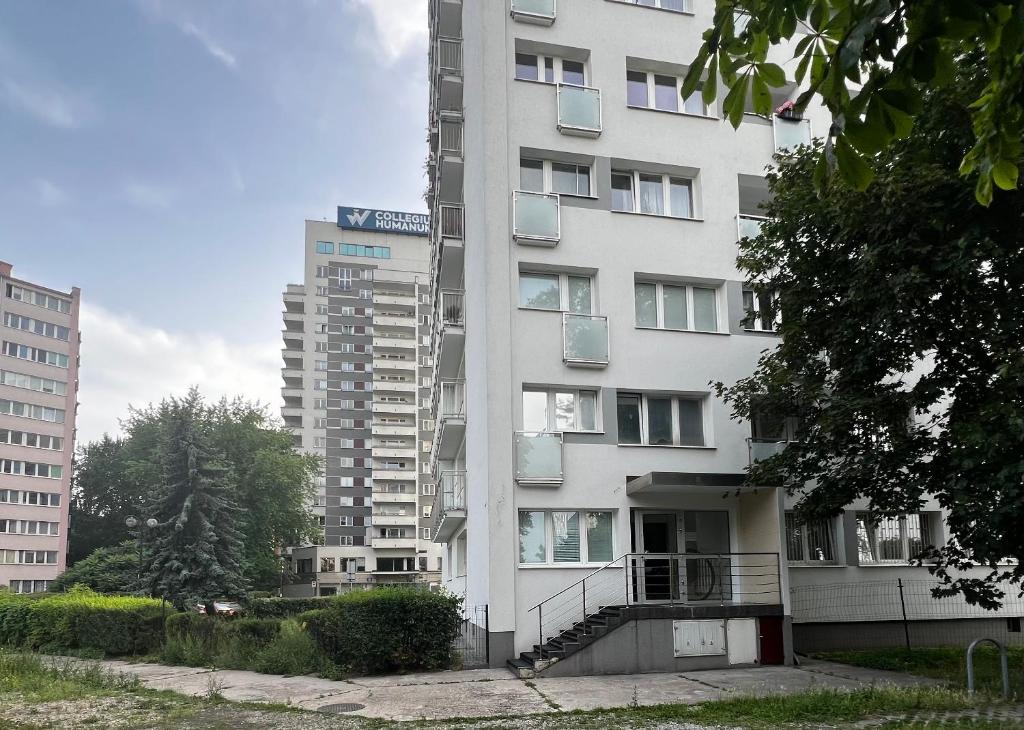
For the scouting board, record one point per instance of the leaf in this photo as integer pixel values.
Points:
(855, 171)
(736, 101)
(760, 94)
(693, 75)
(821, 174)
(772, 74)
(709, 91)
(1005, 174)
(866, 138)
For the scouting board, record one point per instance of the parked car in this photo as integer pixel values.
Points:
(222, 608)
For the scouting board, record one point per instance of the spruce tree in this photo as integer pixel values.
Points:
(193, 554)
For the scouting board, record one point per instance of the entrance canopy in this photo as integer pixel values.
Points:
(678, 482)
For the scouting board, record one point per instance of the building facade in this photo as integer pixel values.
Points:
(39, 363)
(584, 227)
(356, 385)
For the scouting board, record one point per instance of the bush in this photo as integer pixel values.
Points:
(285, 607)
(81, 620)
(387, 629)
(292, 652)
(197, 640)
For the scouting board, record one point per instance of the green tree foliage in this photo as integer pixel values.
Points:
(901, 300)
(194, 552)
(870, 62)
(272, 482)
(105, 570)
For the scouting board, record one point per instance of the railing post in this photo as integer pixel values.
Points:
(487, 633)
(584, 584)
(903, 606)
(540, 631)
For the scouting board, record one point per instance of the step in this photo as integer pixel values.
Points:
(520, 668)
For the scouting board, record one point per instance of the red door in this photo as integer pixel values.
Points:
(772, 647)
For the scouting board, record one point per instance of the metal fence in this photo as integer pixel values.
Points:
(472, 644)
(896, 612)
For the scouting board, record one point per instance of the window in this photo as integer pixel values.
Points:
(678, 6)
(36, 326)
(676, 306)
(427, 510)
(549, 69)
(30, 469)
(31, 382)
(324, 247)
(546, 176)
(373, 252)
(761, 310)
(30, 586)
(27, 410)
(652, 194)
(38, 298)
(36, 499)
(560, 410)
(893, 539)
(28, 557)
(327, 565)
(24, 352)
(660, 420)
(429, 490)
(31, 440)
(649, 90)
(556, 292)
(28, 527)
(810, 542)
(564, 537)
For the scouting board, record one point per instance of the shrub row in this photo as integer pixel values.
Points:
(81, 620)
(271, 646)
(285, 607)
(387, 629)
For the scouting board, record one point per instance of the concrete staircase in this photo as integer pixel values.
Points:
(568, 642)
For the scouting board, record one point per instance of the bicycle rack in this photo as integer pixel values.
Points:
(1002, 660)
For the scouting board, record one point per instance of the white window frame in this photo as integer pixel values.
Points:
(427, 510)
(680, 101)
(752, 319)
(556, 72)
(660, 305)
(645, 439)
(549, 539)
(428, 490)
(831, 524)
(552, 393)
(547, 173)
(929, 521)
(687, 6)
(666, 192)
(425, 533)
(563, 290)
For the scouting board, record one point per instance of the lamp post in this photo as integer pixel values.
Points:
(132, 523)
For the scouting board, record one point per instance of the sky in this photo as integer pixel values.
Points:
(162, 155)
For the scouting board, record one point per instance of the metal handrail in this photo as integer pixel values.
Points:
(603, 567)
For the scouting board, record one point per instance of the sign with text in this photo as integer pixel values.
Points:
(383, 221)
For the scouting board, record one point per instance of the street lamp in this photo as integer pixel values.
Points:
(131, 523)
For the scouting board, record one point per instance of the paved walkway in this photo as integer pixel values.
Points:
(489, 692)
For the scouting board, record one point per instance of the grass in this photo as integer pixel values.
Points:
(945, 663)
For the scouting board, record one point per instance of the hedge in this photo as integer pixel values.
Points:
(285, 607)
(81, 619)
(387, 629)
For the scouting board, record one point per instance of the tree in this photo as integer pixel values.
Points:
(871, 64)
(901, 300)
(274, 483)
(105, 570)
(194, 552)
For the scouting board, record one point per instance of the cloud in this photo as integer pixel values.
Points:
(47, 101)
(127, 362)
(400, 26)
(212, 47)
(50, 195)
(146, 195)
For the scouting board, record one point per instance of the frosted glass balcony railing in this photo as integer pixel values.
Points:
(537, 217)
(534, 11)
(761, 449)
(538, 458)
(585, 340)
(579, 110)
(791, 133)
(749, 226)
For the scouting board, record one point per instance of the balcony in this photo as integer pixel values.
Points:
(394, 407)
(450, 160)
(761, 449)
(386, 363)
(450, 336)
(395, 299)
(394, 475)
(538, 12)
(790, 133)
(394, 452)
(394, 343)
(537, 218)
(449, 248)
(749, 226)
(584, 340)
(446, 73)
(579, 110)
(449, 505)
(394, 498)
(395, 520)
(446, 16)
(394, 386)
(393, 543)
(393, 430)
(394, 320)
(538, 458)
(450, 408)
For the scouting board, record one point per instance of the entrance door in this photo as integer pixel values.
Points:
(656, 573)
(683, 556)
(706, 533)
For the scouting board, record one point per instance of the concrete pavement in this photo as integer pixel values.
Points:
(491, 692)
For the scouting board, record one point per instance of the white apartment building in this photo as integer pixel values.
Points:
(585, 221)
(357, 381)
(39, 346)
